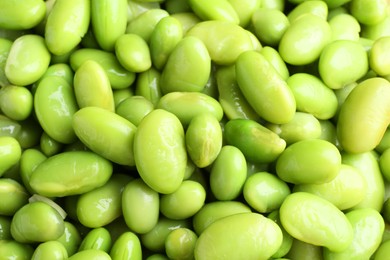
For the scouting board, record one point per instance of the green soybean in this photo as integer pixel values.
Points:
(16, 102)
(148, 85)
(379, 56)
(50, 250)
(10, 152)
(368, 12)
(344, 27)
(5, 228)
(90, 254)
(383, 251)
(76, 172)
(216, 10)
(20, 15)
(71, 238)
(54, 106)
(180, 244)
(13, 249)
(134, 108)
(244, 238)
(62, 34)
(327, 225)
(48, 145)
(13, 196)
(36, 222)
(273, 57)
(29, 160)
(245, 10)
(106, 133)
(126, 247)
(318, 8)
(190, 74)
(92, 86)
(98, 238)
(287, 238)
(159, 151)
(312, 161)
(264, 89)
(256, 142)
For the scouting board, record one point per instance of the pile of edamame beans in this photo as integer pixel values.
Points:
(194, 129)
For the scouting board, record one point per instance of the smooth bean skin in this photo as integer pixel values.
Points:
(224, 40)
(77, 172)
(154, 240)
(342, 62)
(5, 47)
(264, 88)
(148, 85)
(71, 238)
(92, 254)
(29, 134)
(50, 250)
(21, 15)
(318, 8)
(36, 222)
(304, 251)
(344, 27)
(119, 77)
(346, 190)
(61, 70)
(313, 96)
(265, 192)
(11, 249)
(133, 53)
(48, 145)
(215, 210)
(98, 238)
(303, 41)
(269, 25)
(109, 21)
(54, 106)
(383, 251)
(159, 151)
(203, 140)
(190, 74)
(106, 133)
(126, 247)
(63, 34)
(384, 164)
(92, 86)
(230, 96)
(366, 223)
(5, 228)
(378, 30)
(256, 142)
(368, 166)
(379, 56)
(16, 102)
(144, 24)
(317, 221)
(245, 235)
(384, 143)
(368, 12)
(245, 10)
(217, 10)
(29, 160)
(165, 36)
(102, 205)
(10, 152)
(273, 57)
(187, 105)
(9, 127)
(364, 116)
(121, 94)
(184, 202)
(228, 173)
(287, 238)
(12, 195)
(180, 244)
(303, 126)
(27, 60)
(299, 163)
(134, 108)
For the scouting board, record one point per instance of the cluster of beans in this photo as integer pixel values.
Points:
(194, 129)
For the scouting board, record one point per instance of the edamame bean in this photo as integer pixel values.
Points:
(76, 172)
(92, 86)
(383, 251)
(264, 88)
(304, 40)
(384, 164)
(98, 238)
(379, 56)
(134, 108)
(9, 127)
(203, 140)
(245, 238)
(54, 106)
(184, 202)
(13, 249)
(312, 161)
(102, 205)
(368, 12)
(304, 251)
(191, 74)
(10, 152)
(245, 10)
(13, 196)
(287, 238)
(224, 40)
(217, 10)
(342, 62)
(364, 116)
(106, 133)
(121, 94)
(92, 254)
(20, 15)
(187, 20)
(265, 192)
(63, 34)
(148, 85)
(344, 27)
(186, 105)
(126, 247)
(16, 102)
(346, 190)
(365, 223)
(108, 21)
(257, 143)
(180, 244)
(49, 146)
(29, 160)
(36, 222)
(133, 53)
(5, 228)
(27, 60)
(273, 57)
(317, 221)
(136, 8)
(5, 47)
(159, 151)
(71, 238)
(165, 36)
(50, 250)
(378, 30)
(318, 8)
